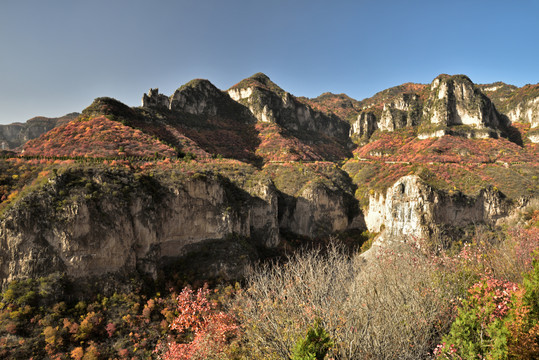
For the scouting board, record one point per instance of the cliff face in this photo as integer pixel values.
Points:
(269, 103)
(364, 125)
(453, 101)
(404, 111)
(317, 211)
(146, 223)
(450, 105)
(527, 111)
(93, 223)
(412, 209)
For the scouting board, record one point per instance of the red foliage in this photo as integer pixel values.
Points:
(96, 137)
(206, 328)
(403, 145)
(278, 145)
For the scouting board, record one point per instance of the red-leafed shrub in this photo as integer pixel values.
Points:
(204, 328)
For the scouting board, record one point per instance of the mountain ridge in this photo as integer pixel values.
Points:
(256, 170)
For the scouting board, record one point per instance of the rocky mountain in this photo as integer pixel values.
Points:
(451, 104)
(523, 106)
(454, 101)
(212, 180)
(94, 220)
(270, 104)
(14, 135)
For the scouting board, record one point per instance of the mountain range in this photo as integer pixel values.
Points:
(235, 174)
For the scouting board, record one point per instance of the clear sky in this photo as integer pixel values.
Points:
(56, 56)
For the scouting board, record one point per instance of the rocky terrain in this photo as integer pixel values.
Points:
(14, 135)
(217, 179)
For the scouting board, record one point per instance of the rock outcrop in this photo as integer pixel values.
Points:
(269, 103)
(527, 111)
(153, 98)
(412, 209)
(453, 101)
(364, 125)
(198, 97)
(404, 111)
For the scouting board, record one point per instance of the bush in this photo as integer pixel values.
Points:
(314, 346)
(398, 309)
(204, 328)
(499, 320)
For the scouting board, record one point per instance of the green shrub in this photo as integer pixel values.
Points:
(315, 345)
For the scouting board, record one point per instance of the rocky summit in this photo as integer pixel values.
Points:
(208, 176)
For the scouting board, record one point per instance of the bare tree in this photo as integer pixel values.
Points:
(396, 305)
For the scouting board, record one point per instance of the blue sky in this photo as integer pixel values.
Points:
(56, 56)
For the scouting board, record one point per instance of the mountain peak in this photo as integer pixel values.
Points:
(259, 80)
(198, 84)
(457, 78)
(198, 96)
(261, 77)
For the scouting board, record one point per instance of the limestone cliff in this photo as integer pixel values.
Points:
(364, 125)
(317, 211)
(269, 103)
(450, 105)
(454, 101)
(526, 110)
(92, 222)
(412, 209)
(403, 111)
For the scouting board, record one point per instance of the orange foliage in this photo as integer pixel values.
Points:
(211, 328)
(96, 137)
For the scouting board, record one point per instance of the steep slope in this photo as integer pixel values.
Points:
(90, 220)
(269, 103)
(200, 119)
(456, 101)
(283, 120)
(498, 93)
(341, 105)
(378, 100)
(450, 105)
(389, 110)
(271, 125)
(520, 105)
(523, 106)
